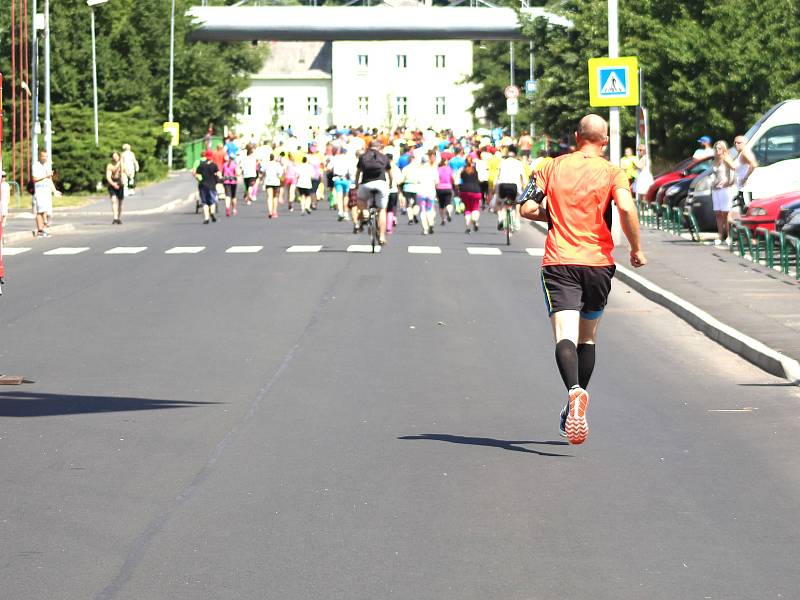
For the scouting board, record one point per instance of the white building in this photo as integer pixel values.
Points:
(374, 84)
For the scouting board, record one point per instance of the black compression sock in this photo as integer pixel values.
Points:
(585, 364)
(567, 361)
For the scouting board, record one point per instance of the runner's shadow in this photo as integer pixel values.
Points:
(38, 404)
(512, 445)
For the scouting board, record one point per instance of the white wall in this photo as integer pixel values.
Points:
(295, 93)
(421, 82)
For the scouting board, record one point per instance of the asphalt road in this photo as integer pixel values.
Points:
(347, 426)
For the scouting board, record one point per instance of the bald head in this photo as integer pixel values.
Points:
(592, 129)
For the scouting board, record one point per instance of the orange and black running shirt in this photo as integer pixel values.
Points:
(579, 189)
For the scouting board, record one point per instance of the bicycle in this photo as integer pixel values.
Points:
(372, 223)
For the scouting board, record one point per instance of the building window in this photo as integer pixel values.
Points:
(363, 61)
(441, 107)
(402, 61)
(278, 105)
(401, 106)
(363, 104)
(440, 62)
(247, 106)
(312, 102)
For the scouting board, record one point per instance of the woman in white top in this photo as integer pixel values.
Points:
(272, 171)
(249, 167)
(723, 188)
(745, 164)
(305, 173)
(427, 178)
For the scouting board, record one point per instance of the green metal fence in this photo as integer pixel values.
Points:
(193, 151)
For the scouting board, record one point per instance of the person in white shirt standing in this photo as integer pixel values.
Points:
(130, 167)
(43, 190)
(510, 182)
(5, 196)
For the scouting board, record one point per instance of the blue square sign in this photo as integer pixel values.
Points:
(613, 82)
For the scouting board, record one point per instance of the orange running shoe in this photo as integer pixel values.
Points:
(576, 427)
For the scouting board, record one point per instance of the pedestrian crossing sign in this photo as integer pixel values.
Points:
(614, 81)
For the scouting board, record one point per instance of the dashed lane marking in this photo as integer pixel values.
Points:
(300, 249)
(15, 251)
(65, 251)
(244, 249)
(424, 250)
(535, 251)
(362, 248)
(484, 251)
(185, 250)
(126, 250)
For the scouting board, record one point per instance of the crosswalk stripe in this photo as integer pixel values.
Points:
(244, 249)
(362, 248)
(299, 249)
(185, 250)
(65, 251)
(424, 250)
(14, 251)
(484, 251)
(535, 251)
(126, 250)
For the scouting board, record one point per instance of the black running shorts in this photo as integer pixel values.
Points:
(507, 191)
(577, 287)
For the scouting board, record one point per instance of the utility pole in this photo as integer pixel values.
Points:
(613, 52)
(171, 75)
(94, 84)
(511, 77)
(35, 126)
(48, 131)
(532, 130)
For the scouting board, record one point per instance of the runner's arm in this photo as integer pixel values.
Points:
(630, 224)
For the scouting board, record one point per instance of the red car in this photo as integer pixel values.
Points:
(690, 167)
(764, 211)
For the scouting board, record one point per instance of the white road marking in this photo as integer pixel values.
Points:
(424, 250)
(185, 250)
(14, 251)
(126, 250)
(244, 249)
(734, 410)
(299, 249)
(362, 248)
(484, 251)
(65, 251)
(535, 251)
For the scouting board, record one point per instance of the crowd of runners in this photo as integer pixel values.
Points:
(429, 177)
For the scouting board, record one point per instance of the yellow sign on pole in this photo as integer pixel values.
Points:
(614, 81)
(174, 129)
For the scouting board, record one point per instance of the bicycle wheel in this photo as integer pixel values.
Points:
(509, 224)
(373, 225)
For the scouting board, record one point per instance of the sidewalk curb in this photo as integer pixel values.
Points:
(750, 349)
(21, 236)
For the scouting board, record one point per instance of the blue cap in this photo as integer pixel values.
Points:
(704, 140)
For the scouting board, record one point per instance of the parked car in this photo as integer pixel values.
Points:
(788, 220)
(690, 167)
(775, 142)
(674, 193)
(764, 211)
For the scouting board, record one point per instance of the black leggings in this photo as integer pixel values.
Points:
(445, 198)
(230, 190)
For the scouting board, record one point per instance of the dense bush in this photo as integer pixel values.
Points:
(80, 165)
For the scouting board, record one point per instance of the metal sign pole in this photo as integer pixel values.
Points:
(613, 52)
(511, 76)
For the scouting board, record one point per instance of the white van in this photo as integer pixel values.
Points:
(775, 142)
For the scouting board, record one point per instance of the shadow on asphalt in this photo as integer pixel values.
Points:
(512, 445)
(783, 384)
(34, 404)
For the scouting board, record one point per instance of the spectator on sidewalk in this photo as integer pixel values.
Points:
(644, 174)
(745, 165)
(723, 188)
(705, 149)
(628, 164)
(131, 168)
(5, 196)
(115, 175)
(43, 190)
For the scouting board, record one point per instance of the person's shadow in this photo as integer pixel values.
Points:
(512, 445)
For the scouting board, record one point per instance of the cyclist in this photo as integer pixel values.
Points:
(577, 267)
(510, 182)
(373, 178)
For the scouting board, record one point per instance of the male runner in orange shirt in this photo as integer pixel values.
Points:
(577, 266)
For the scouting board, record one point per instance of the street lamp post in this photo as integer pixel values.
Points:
(48, 127)
(92, 4)
(171, 75)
